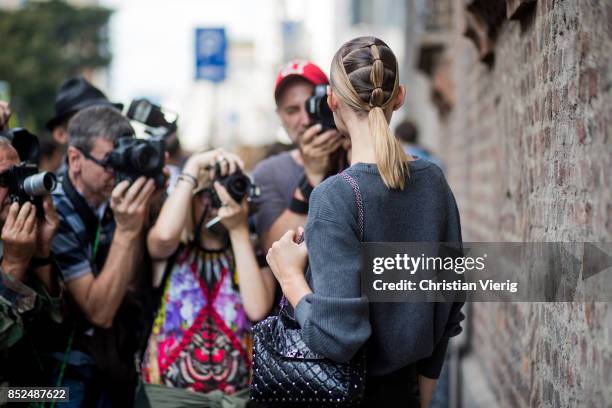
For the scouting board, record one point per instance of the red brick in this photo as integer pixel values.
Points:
(584, 44)
(588, 84)
(580, 132)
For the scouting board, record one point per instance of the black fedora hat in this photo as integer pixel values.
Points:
(76, 94)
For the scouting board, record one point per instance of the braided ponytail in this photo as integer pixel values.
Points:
(365, 76)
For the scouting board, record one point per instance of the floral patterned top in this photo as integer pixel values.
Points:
(201, 338)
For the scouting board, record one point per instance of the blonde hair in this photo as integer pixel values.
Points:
(364, 75)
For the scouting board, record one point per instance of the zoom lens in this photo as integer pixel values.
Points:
(39, 184)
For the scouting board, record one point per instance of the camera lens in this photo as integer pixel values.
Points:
(144, 158)
(39, 184)
(237, 186)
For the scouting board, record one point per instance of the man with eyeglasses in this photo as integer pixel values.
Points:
(98, 247)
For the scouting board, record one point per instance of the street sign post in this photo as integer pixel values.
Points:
(211, 54)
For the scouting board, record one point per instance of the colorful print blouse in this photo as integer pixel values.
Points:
(201, 337)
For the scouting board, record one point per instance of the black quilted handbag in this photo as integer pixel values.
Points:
(286, 372)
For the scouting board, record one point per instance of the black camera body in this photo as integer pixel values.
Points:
(318, 109)
(132, 158)
(237, 184)
(25, 183)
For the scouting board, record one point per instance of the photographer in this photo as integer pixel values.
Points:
(30, 289)
(212, 289)
(286, 179)
(99, 251)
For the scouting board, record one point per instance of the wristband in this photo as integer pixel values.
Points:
(36, 262)
(298, 206)
(305, 187)
(189, 178)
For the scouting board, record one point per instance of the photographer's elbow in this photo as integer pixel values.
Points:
(257, 314)
(161, 246)
(99, 316)
(102, 322)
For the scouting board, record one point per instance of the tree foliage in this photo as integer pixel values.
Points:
(42, 44)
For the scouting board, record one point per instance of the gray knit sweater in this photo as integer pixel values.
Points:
(335, 319)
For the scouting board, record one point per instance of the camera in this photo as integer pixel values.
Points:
(25, 183)
(132, 158)
(26, 144)
(318, 109)
(237, 184)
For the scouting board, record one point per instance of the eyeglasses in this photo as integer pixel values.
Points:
(102, 163)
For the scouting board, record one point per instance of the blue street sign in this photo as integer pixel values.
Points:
(211, 54)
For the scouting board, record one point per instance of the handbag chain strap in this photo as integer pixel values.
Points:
(359, 202)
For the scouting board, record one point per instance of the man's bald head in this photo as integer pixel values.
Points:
(8, 154)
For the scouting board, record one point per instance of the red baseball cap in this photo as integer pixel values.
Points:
(299, 68)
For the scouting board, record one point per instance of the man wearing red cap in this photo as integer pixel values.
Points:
(287, 179)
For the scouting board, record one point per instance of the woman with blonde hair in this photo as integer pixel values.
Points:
(402, 200)
(213, 289)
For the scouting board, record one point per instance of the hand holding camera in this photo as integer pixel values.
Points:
(233, 215)
(19, 239)
(202, 161)
(26, 184)
(217, 162)
(322, 139)
(316, 150)
(129, 204)
(46, 227)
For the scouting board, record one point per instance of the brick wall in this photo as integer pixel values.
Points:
(528, 154)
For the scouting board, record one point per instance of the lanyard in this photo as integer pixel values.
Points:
(96, 244)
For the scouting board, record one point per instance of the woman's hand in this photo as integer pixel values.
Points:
(287, 259)
(233, 215)
(199, 162)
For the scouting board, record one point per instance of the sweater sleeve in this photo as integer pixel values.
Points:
(335, 317)
(448, 315)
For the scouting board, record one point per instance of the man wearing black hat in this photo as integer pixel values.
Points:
(74, 95)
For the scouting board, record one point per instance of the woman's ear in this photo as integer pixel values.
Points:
(331, 99)
(399, 98)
